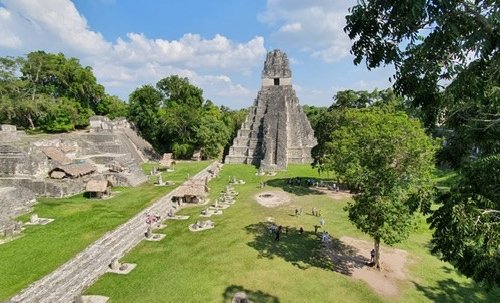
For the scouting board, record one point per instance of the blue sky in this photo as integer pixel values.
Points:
(220, 45)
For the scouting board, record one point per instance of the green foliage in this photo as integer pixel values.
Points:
(212, 132)
(431, 44)
(447, 58)
(60, 116)
(314, 114)
(467, 226)
(175, 117)
(324, 121)
(182, 150)
(79, 221)
(55, 75)
(112, 107)
(179, 90)
(387, 158)
(143, 111)
(51, 92)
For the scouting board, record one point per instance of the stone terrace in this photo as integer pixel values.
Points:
(69, 280)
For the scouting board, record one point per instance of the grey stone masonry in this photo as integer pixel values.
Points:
(276, 131)
(70, 279)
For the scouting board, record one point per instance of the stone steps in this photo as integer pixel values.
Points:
(71, 278)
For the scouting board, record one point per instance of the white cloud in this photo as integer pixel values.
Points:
(7, 38)
(55, 19)
(291, 27)
(132, 60)
(319, 24)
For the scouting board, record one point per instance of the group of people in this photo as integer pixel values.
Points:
(316, 212)
(299, 212)
(298, 181)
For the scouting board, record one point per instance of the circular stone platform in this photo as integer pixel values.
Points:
(272, 198)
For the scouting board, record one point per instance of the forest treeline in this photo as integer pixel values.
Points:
(52, 93)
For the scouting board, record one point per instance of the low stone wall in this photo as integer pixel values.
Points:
(84, 269)
(14, 201)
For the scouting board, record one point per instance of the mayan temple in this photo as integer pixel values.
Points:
(276, 131)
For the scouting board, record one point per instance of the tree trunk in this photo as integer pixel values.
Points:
(32, 125)
(377, 253)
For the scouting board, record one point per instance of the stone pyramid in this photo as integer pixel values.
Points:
(276, 131)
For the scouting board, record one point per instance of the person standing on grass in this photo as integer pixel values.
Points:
(278, 233)
(322, 222)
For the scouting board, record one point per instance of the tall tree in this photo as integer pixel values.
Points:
(42, 88)
(447, 58)
(58, 76)
(176, 118)
(143, 110)
(430, 43)
(212, 133)
(387, 158)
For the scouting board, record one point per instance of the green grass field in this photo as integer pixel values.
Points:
(239, 254)
(78, 222)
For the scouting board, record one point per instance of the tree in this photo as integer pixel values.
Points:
(179, 90)
(387, 159)
(467, 226)
(175, 117)
(314, 114)
(362, 99)
(112, 106)
(446, 55)
(33, 87)
(212, 133)
(143, 111)
(55, 75)
(447, 58)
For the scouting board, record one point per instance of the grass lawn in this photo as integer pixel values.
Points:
(239, 254)
(444, 179)
(78, 222)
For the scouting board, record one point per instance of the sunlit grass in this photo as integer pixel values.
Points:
(239, 254)
(78, 222)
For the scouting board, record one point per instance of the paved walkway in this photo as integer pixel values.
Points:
(70, 279)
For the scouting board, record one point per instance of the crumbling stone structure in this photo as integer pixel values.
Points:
(58, 165)
(276, 131)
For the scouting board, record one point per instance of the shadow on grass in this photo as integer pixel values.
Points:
(299, 190)
(345, 257)
(306, 250)
(448, 291)
(254, 296)
(302, 250)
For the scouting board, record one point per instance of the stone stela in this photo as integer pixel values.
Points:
(276, 131)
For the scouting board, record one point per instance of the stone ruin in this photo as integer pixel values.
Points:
(276, 131)
(59, 165)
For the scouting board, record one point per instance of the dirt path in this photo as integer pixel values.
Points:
(350, 257)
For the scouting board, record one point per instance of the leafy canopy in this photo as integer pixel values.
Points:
(175, 117)
(52, 92)
(387, 158)
(447, 60)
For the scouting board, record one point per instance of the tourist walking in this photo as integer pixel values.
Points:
(322, 222)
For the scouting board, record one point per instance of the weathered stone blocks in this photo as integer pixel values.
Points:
(276, 131)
